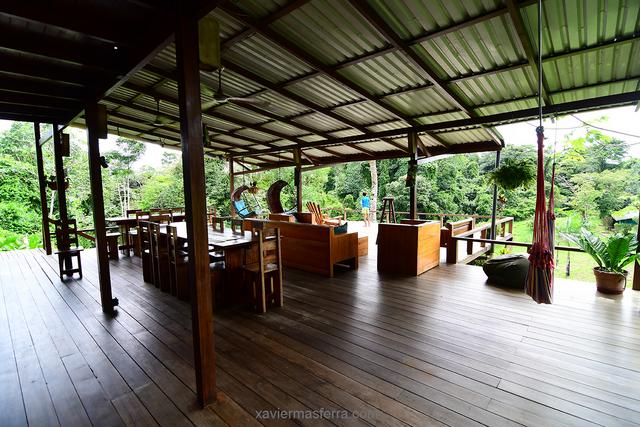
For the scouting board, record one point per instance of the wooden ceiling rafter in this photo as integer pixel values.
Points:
(526, 46)
(305, 57)
(226, 118)
(169, 75)
(267, 20)
(421, 67)
(626, 98)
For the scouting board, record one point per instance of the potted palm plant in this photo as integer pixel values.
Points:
(611, 255)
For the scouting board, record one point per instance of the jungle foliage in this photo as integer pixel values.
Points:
(594, 180)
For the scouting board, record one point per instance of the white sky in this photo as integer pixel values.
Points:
(622, 119)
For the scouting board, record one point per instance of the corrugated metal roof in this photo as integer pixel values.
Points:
(364, 113)
(331, 30)
(415, 103)
(324, 91)
(384, 74)
(266, 59)
(482, 64)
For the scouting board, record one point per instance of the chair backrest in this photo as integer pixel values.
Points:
(217, 224)
(141, 215)
(314, 208)
(154, 234)
(132, 212)
(269, 246)
(160, 218)
(173, 245)
(237, 225)
(66, 233)
(145, 238)
(157, 212)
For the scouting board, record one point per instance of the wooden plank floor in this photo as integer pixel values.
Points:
(439, 349)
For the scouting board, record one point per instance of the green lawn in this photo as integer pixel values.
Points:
(581, 264)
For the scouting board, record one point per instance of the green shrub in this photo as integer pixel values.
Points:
(19, 218)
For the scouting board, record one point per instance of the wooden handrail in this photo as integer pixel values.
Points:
(455, 231)
(512, 243)
(484, 227)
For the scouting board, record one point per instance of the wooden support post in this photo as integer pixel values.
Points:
(636, 269)
(452, 246)
(470, 244)
(297, 156)
(61, 191)
(494, 208)
(187, 62)
(42, 180)
(232, 187)
(92, 115)
(413, 166)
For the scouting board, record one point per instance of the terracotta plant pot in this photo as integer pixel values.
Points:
(610, 283)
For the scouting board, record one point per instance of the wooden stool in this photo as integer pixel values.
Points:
(388, 209)
(112, 245)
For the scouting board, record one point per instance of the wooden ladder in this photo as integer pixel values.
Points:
(388, 210)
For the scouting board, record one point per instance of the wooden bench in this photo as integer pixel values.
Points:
(411, 247)
(313, 248)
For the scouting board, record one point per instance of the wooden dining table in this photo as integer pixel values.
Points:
(126, 223)
(234, 244)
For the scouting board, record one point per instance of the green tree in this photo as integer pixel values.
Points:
(121, 163)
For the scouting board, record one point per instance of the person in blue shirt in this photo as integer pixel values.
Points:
(364, 202)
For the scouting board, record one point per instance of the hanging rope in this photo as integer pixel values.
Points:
(540, 275)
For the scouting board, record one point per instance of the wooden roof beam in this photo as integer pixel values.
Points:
(73, 20)
(97, 55)
(627, 98)
(268, 20)
(256, 127)
(173, 119)
(294, 97)
(302, 55)
(526, 46)
(390, 35)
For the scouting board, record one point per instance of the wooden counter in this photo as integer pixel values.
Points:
(412, 247)
(313, 248)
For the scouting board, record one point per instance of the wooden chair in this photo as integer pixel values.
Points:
(112, 245)
(319, 218)
(129, 235)
(160, 218)
(237, 226)
(158, 212)
(265, 271)
(217, 224)
(145, 251)
(159, 258)
(178, 266)
(135, 237)
(216, 279)
(68, 247)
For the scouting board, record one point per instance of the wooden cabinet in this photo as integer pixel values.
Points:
(408, 248)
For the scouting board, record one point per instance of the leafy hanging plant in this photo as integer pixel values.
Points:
(513, 173)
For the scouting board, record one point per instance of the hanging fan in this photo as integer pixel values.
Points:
(160, 119)
(218, 97)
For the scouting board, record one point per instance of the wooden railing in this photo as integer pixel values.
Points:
(504, 236)
(466, 229)
(440, 215)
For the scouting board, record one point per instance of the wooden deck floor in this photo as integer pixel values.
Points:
(442, 348)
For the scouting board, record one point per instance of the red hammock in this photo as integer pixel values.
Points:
(540, 276)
